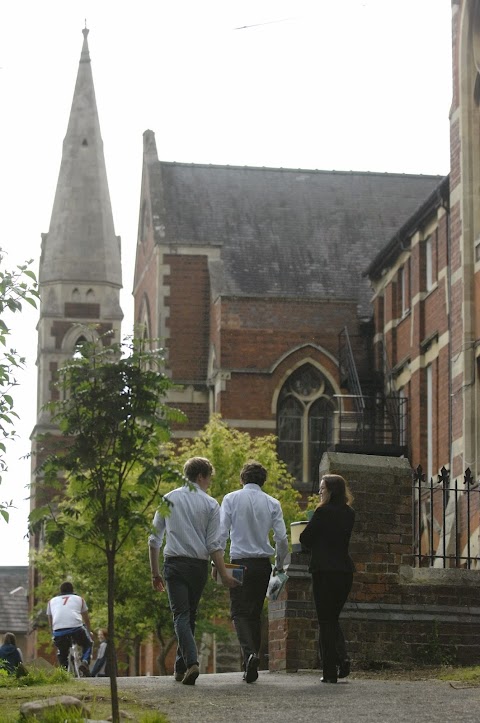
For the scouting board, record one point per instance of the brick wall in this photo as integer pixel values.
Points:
(261, 340)
(189, 319)
(417, 338)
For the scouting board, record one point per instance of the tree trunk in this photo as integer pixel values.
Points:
(164, 651)
(137, 641)
(111, 653)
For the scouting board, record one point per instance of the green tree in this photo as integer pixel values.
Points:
(139, 610)
(107, 466)
(228, 449)
(16, 287)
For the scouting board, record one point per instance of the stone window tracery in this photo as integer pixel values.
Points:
(305, 421)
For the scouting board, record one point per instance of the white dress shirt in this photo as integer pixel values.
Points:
(192, 527)
(248, 515)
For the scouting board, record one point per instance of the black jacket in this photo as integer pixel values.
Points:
(327, 535)
(9, 657)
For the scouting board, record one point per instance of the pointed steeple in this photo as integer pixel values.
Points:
(81, 245)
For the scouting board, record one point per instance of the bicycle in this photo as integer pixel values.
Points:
(75, 665)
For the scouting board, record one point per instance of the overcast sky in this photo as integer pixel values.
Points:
(347, 85)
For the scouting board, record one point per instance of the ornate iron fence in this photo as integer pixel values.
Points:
(446, 521)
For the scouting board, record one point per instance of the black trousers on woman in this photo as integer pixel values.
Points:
(330, 592)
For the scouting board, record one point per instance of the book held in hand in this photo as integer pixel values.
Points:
(235, 571)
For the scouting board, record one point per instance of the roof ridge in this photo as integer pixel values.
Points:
(302, 170)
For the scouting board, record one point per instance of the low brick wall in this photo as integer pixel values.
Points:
(395, 612)
(293, 627)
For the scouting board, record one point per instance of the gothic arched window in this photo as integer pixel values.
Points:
(78, 353)
(305, 421)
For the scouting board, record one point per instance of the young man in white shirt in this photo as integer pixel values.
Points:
(69, 621)
(248, 515)
(192, 531)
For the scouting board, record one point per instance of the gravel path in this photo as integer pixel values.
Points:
(302, 698)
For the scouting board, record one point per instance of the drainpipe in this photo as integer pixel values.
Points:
(445, 206)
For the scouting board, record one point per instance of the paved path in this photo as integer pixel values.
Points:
(301, 698)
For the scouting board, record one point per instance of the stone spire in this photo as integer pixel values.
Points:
(81, 245)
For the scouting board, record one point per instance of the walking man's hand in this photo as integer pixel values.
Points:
(157, 583)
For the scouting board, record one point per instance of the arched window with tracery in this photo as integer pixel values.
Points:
(305, 421)
(78, 354)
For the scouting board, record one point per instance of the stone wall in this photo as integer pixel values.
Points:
(395, 612)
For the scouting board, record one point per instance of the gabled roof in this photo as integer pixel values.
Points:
(283, 232)
(13, 599)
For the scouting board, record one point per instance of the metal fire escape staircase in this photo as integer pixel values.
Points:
(351, 373)
(351, 406)
(374, 423)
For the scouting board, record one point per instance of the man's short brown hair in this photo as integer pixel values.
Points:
(197, 465)
(253, 473)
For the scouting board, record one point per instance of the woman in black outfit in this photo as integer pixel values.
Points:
(327, 535)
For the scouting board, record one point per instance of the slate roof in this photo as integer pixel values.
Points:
(285, 232)
(402, 238)
(13, 599)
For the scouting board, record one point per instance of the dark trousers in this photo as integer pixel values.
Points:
(63, 643)
(185, 578)
(246, 603)
(330, 592)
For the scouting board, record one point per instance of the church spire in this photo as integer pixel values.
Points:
(81, 245)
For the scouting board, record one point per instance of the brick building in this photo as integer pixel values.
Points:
(337, 310)
(14, 603)
(426, 283)
(251, 276)
(412, 312)
(353, 286)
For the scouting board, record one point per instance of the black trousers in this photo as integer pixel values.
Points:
(185, 578)
(246, 603)
(63, 643)
(330, 592)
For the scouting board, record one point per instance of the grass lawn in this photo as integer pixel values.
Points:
(468, 675)
(38, 685)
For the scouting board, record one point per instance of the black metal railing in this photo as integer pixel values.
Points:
(445, 515)
(375, 422)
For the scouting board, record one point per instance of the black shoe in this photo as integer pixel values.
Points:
(191, 674)
(344, 669)
(84, 670)
(251, 670)
(328, 680)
